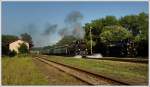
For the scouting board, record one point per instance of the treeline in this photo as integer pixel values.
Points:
(8, 39)
(126, 36)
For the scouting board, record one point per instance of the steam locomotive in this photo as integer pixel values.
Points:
(77, 47)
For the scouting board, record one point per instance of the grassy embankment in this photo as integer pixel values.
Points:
(20, 70)
(132, 73)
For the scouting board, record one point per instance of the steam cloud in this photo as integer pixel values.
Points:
(73, 22)
(74, 17)
(30, 28)
(63, 32)
(50, 29)
(42, 37)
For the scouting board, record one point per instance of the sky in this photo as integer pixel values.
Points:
(42, 19)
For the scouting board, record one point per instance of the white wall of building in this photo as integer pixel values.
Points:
(15, 45)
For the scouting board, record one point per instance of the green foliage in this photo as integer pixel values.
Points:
(23, 48)
(138, 38)
(12, 53)
(6, 40)
(89, 44)
(137, 24)
(110, 29)
(114, 33)
(5, 49)
(143, 23)
(26, 37)
(130, 22)
(110, 20)
(66, 40)
(97, 26)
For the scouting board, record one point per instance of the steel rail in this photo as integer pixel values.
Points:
(98, 79)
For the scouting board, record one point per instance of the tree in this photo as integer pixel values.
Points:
(6, 40)
(110, 20)
(114, 33)
(96, 27)
(66, 40)
(138, 25)
(131, 29)
(88, 44)
(112, 37)
(23, 48)
(130, 22)
(143, 23)
(12, 53)
(26, 37)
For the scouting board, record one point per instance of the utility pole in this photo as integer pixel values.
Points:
(91, 39)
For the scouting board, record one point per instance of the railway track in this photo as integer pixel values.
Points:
(88, 77)
(133, 60)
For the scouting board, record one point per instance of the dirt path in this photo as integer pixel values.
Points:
(55, 76)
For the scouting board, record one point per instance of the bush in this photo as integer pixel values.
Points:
(5, 49)
(23, 48)
(12, 53)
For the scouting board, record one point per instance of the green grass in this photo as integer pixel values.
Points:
(20, 70)
(132, 73)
